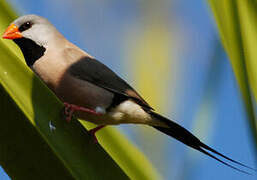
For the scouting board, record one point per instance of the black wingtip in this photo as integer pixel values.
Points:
(202, 145)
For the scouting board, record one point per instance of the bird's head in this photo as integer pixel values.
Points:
(34, 35)
(32, 27)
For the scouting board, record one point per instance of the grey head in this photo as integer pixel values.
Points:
(36, 28)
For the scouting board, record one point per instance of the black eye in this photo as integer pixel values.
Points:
(25, 26)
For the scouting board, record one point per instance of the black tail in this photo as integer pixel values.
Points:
(181, 134)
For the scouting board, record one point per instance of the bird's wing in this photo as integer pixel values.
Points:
(89, 69)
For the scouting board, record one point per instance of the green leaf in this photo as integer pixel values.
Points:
(31, 149)
(236, 20)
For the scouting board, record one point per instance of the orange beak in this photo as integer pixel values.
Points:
(12, 32)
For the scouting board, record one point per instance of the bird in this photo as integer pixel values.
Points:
(91, 90)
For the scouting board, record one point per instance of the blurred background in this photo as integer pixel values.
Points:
(170, 51)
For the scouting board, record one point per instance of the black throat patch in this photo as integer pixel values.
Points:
(31, 50)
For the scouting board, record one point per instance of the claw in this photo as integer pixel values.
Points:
(68, 112)
(69, 109)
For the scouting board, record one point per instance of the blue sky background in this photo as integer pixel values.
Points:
(205, 100)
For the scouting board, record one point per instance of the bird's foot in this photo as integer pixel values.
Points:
(68, 112)
(69, 109)
(94, 130)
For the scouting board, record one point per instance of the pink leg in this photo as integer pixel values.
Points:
(94, 130)
(71, 108)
